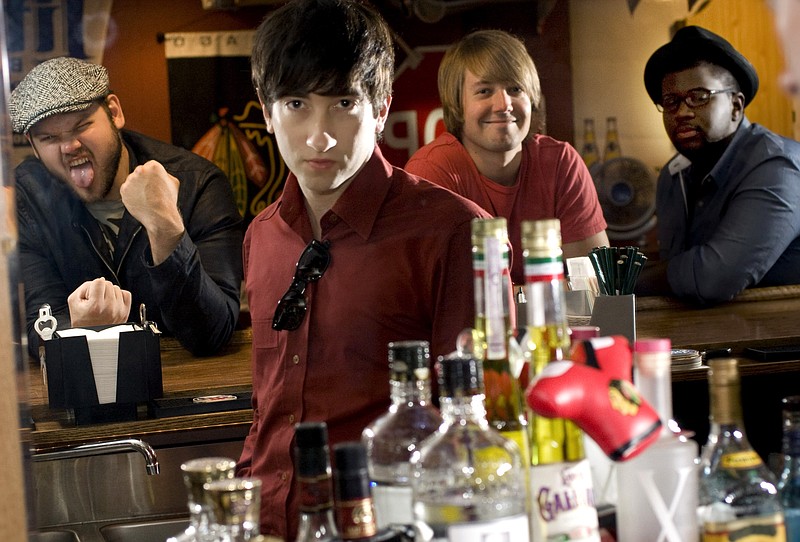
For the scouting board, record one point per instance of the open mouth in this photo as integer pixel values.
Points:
(81, 172)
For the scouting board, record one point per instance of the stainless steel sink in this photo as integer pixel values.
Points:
(146, 531)
(54, 536)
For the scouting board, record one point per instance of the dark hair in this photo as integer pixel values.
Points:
(327, 47)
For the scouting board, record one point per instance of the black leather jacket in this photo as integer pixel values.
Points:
(193, 295)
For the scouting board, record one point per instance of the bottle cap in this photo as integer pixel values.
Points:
(652, 345)
(460, 376)
(489, 227)
(311, 449)
(723, 372)
(350, 471)
(542, 236)
(409, 360)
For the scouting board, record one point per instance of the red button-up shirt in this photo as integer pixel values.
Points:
(400, 269)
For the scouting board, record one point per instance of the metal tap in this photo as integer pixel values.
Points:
(103, 448)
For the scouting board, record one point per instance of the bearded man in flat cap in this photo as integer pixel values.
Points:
(110, 219)
(728, 204)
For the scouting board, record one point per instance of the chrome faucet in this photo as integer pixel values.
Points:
(103, 448)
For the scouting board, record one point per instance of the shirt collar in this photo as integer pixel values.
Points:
(359, 204)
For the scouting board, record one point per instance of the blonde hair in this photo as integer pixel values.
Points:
(493, 55)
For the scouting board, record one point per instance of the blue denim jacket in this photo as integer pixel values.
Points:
(745, 229)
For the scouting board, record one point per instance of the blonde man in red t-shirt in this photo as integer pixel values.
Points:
(490, 91)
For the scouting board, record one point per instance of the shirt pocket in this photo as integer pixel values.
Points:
(263, 334)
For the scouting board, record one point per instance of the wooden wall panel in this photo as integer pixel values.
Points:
(748, 25)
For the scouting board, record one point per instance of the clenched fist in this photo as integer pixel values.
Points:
(99, 302)
(150, 195)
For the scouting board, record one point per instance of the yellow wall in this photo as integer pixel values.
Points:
(610, 47)
(748, 25)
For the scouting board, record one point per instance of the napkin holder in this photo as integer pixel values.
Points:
(615, 315)
(70, 379)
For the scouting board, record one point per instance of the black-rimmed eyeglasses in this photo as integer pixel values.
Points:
(310, 267)
(696, 97)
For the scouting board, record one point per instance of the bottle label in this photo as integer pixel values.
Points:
(543, 269)
(746, 459)
(758, 529)
(393, 505)
(316, 493)
(563, 502)
(356, 519)
(511, 529)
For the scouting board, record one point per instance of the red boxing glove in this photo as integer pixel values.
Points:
(612, 355)
(607, 408)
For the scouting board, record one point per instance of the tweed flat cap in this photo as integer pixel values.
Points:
(691, 44)
(58, 85)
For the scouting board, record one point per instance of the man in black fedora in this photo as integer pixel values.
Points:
(728, 204)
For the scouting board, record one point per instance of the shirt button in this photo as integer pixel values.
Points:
(284, 476)
(334, 218)
(291, 418)
(295, 359)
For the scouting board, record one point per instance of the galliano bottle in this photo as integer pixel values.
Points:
(738, 498)
(561, 478)
(468, 480)
(493, 300)
(658, 488)
(314, 482)
(392, 438)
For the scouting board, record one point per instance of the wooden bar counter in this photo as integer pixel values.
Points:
(758, 317)
(184, 376)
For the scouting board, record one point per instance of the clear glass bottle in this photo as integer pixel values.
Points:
(314, 482)
(658, 497)
(234, 508)
(737, 492)
(468, 480)
(789, 483)
(353, 504)
(393, 437)
(495, 332)
(561, 473)
(590, 153)
(196, 473)
(612, 149)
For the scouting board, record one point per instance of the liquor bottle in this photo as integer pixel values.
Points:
(196, 473)
(468, 480)
(561, 473)
(393, 437)
(495, 331)
(353, 504)
(590, 153)
(789, 483)
(314, 482)
(658, 497)
(235, 508)
(612, 149)
(737, 493)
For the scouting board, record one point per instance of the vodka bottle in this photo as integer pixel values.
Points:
(393, 437)
(468, 480)
(589, 152)
(561, 478)
(314, 482)
(353, 504)
(658, 488)
(789, 483)
(493, 301)
(612, 149)
(196, 473)
(737, 494)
